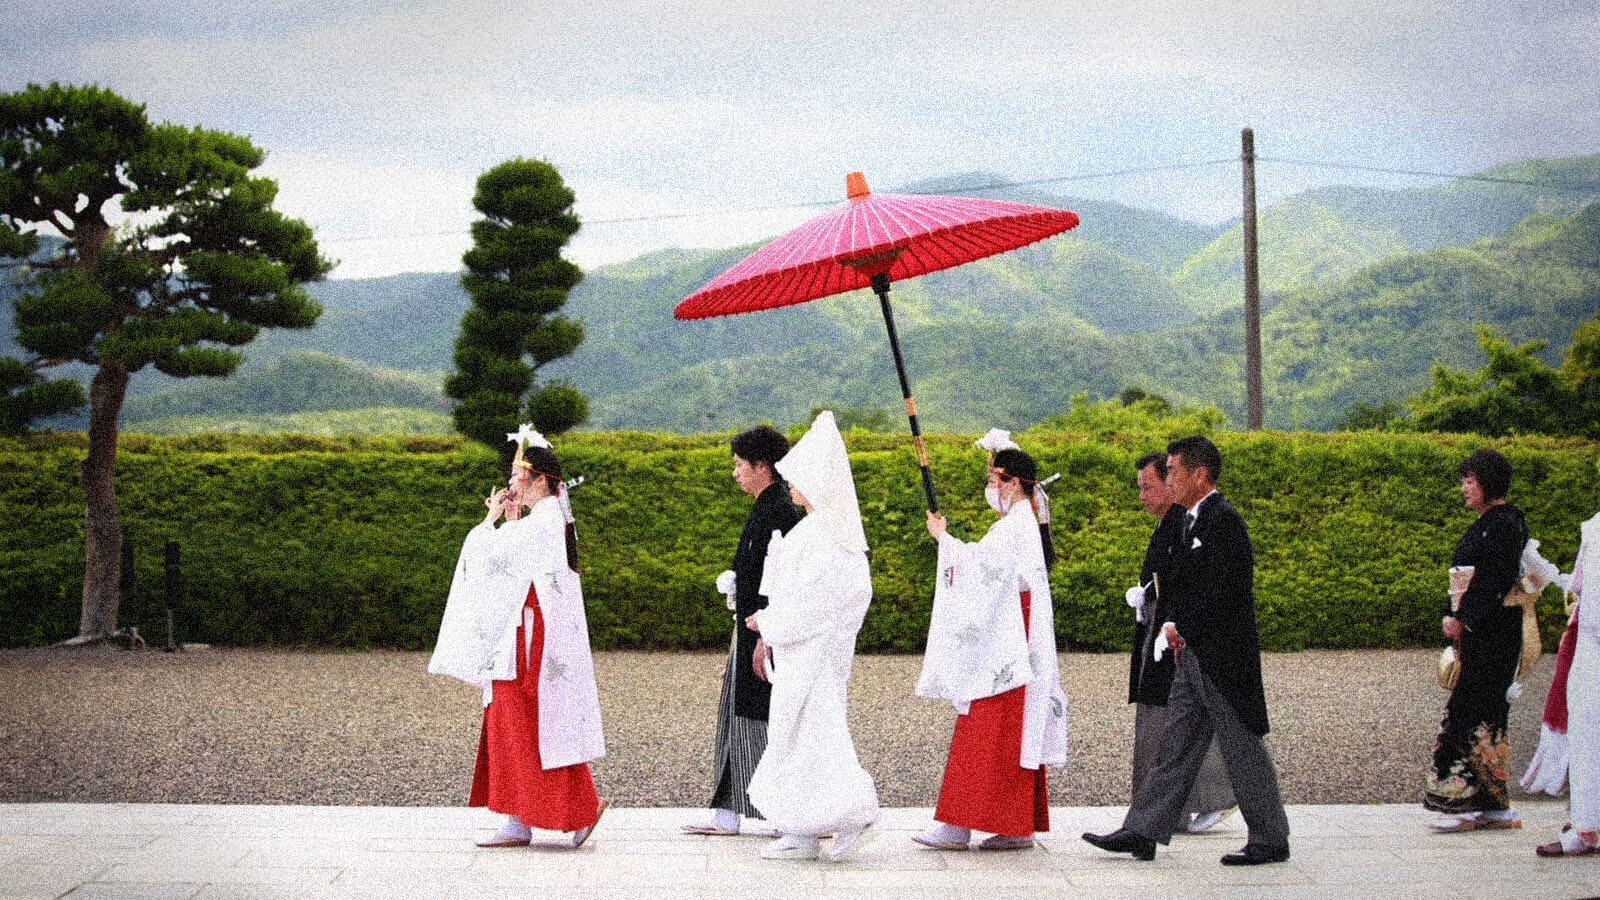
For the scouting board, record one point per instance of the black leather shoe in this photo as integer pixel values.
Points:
(1125, 841)
(1257, 854)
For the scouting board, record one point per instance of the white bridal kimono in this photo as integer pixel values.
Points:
(976, 643)
(818, 586)
(1583, 691)
(477, 636)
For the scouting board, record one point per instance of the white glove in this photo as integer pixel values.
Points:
(1135, 598)
(726, 586)
(1161, 644)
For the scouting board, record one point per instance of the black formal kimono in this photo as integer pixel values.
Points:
(1471, 754)
(742, 712)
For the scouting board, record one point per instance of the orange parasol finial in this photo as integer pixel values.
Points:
(856, 185)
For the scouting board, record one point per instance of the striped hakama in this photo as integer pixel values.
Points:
(740, 743)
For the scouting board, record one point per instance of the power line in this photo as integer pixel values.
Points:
(1115, 173)
(1006, 185)
(808, 204)
(1493, 179)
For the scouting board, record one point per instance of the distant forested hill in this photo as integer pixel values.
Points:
(1364, 290)
(301, 381)
(1357, 310)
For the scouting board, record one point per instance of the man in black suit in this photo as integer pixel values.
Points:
(1217, 690)
(746, 695)
(1149, 679)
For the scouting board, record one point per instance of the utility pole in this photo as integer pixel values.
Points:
(1252, 289)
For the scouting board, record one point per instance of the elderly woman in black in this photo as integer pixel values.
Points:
(1468, 781)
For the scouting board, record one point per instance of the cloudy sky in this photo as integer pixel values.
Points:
(700, 116)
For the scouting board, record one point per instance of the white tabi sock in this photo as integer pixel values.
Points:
(726, 819)
(950, 834)
(513, 828)
(1500, 815)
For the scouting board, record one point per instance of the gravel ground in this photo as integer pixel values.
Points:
(253, 726)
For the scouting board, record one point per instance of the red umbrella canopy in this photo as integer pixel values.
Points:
(870, 234)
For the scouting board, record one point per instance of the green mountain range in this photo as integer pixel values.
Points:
(1363, 289)
(300, 381)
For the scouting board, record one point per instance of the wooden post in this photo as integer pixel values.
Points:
(174, 591)
(1252, 289)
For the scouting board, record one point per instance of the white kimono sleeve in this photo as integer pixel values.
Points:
(812, 586)
(977, 646)
(476, 633)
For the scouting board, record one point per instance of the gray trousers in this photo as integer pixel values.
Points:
(1196, 713)
(1211, 791)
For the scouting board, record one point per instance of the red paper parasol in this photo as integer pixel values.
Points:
(869, 241)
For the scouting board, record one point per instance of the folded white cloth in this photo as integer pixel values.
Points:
(997, 439)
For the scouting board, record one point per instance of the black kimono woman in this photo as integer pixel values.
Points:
(1469, 775)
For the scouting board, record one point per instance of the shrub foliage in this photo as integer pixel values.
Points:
(348, 542)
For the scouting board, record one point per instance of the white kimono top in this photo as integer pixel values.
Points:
(976, 643)
(478, 634)
(810, 781)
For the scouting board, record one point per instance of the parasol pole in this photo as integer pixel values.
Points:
(880, 286)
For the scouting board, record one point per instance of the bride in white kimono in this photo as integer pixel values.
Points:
(809, 783)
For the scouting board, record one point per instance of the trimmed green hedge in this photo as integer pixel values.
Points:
(349, 542)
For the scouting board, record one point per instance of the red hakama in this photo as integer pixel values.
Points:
(985, 788)
(510, 778)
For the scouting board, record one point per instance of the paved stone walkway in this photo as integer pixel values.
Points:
(419, 853)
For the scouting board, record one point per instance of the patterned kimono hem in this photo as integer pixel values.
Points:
(1476, 783)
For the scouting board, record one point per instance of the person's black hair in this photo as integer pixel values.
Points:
(1198, 453)
(1493, 472)
(546, 466)
(762, 444)
(1012, 463)
(1159, 460)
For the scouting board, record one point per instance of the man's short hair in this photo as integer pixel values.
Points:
(1493, 472)
(762, 444)
(1198, 453)
(1159, 460)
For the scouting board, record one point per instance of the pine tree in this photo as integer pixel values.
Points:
(518, 282)
(200, 265)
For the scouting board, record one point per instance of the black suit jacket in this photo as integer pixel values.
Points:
(1212, 599)
(1149, 681)
(773, 511)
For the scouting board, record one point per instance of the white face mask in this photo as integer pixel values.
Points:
(992, 494)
